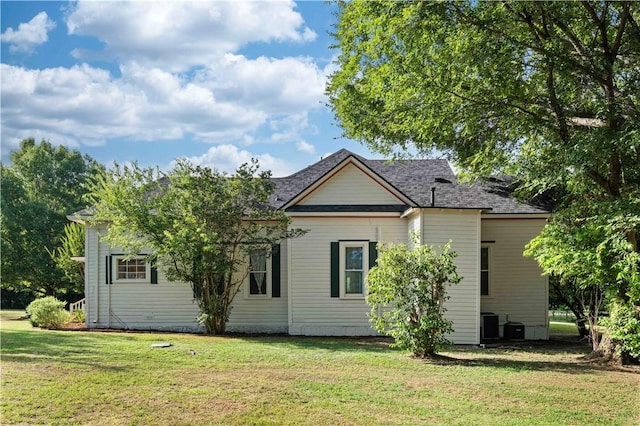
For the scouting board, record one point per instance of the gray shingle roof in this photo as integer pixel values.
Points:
(414, 179)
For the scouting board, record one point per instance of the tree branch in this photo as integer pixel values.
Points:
(600, 180)
(526, 19)
(597, 21)
(624, 17)
(615, 170)
(612, 184)
(563, 129)
(586, 122)
(572, 38)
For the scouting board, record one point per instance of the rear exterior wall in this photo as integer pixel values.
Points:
(517, 290)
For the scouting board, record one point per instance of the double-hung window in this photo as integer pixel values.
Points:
(484, 271)
(258, 274)
(354, 265)
(263, 281)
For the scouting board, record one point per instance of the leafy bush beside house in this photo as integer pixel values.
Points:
(407, 292)
(624, 329)
(48, 312)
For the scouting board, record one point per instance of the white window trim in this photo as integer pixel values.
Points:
(490, 268)
(365, 268)
(247, 284)
(114, 270)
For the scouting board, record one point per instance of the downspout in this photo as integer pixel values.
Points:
(433, 196)
(109, 300)
(96, 281)
(289, 288)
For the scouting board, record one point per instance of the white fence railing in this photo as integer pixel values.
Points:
(77, 306)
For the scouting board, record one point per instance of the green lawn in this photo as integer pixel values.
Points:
(102, 378)
(568, 328)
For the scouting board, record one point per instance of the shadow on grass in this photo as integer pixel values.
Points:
(28, 359)
(32, 346)
(574, 366)
(555, 355)
(571, 354)
(43, 342)
(331, 344)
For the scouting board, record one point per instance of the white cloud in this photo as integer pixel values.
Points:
(179, 35)
(227, 158)
(89, 106)
(278, 86)
(288, 128)
(306, 147)
(180, 78)
(29, 34)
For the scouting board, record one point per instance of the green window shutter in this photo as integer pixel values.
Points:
(335, 269)
(275, 270)
(196, 293)
(107, 268)
(373, 253)
(154, 275)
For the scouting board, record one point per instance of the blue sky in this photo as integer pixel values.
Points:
(216, 82)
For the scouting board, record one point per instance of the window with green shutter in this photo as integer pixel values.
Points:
(263, 281)
(350, 263)
(120, 269)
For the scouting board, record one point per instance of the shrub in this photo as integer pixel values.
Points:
(407, 291)
(78, 316)
(48, 312)
(624, 330)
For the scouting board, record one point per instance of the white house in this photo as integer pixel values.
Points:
(314, 285)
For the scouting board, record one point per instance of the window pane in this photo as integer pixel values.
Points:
(258, 260)
(353, 282)
(484, 258)
(134, 269)
(258, 274)
(484, 283)
(258, 283)
(353, 258)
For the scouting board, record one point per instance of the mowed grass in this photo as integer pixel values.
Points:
(103, 378)
(564, 328)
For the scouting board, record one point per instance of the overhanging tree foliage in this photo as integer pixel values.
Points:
(548, 91)
(407, 290)
(65, 255)
(41, 186)
(198, 225)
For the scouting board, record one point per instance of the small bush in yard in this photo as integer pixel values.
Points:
(48, 312)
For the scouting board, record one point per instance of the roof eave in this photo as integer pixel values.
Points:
(541, 215)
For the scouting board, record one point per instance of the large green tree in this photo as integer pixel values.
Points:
(198, 225)
(40, 187)
(548, 91)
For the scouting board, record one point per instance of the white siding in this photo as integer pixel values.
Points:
(167, 305)
(414, 222)
(313, 310)
(268, 315)
(91, 278)
(350, 185)
(462, 228)
(144, 306)
(517, 289)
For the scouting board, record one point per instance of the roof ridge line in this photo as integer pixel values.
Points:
(318, 162)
